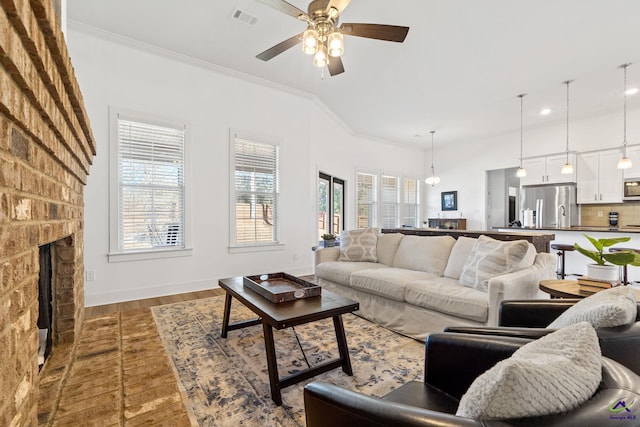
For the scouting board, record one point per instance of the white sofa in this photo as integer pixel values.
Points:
(415, 285)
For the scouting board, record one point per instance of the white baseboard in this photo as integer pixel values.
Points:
(91, 300)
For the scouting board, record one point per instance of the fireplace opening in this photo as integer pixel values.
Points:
(45, 304)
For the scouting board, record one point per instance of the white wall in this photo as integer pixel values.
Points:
(462, 166)
(117, 74)
(312, 139)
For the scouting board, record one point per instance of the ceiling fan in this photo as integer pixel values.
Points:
(323, 38)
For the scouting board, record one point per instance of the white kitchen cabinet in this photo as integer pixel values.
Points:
(599, 179)
(546, 170)
(633, 153)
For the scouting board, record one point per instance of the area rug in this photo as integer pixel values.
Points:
(225, 382)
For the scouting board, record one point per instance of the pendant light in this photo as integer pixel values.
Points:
(568, 167)
(433, 179)
(522, 172)
(624, 162)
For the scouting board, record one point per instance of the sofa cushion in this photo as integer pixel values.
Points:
(611, 307)
(424, 253)
(387, 282)
(387, 246)
(491, 257)
(359, 245)
(448, 296)
(340, 272)
(553, 374)
(459, 254)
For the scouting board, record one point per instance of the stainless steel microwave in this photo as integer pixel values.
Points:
(631, 189)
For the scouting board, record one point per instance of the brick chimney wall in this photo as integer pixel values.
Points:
(46, 148)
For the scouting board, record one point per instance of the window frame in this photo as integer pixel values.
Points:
(333, 181)
(379, 203)
(234, 246)
(116, 253)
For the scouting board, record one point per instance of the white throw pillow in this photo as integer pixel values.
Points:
(458, 257)
(553, 374)
(611, 307)
(424, 253)
(387, 246)
(490, 258)
(359, 245)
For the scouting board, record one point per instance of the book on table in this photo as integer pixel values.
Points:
(602, 284)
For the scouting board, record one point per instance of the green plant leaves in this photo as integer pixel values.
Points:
(617, 258)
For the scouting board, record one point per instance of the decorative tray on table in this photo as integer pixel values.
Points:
(281, 287)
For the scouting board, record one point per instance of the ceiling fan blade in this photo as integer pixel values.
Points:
(284, 7)
(335, 66)
(339, 5)
(392, 33)
(280, 47)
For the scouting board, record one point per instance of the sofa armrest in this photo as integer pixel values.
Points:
(501, 331)
(522, 284)
(532, 313)
(328, 405)
(326, 254)
(453, 361)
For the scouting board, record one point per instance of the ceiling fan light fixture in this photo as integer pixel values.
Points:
(335, 41)
(321, 59)
(310, 41)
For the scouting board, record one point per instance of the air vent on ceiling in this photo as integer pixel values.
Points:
(243, 16)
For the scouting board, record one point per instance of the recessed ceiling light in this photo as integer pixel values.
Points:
(545, 111)
(631, 91)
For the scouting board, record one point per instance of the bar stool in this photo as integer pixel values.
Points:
(624, 267)
(561, 248)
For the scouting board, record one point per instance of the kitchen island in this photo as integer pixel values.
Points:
(540, 239)
(575, 262)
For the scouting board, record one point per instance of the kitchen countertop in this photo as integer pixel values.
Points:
(581, 228)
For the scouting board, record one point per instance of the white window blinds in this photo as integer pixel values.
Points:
(151, 186)
(411, 202)
(256, 192)
(390, 201)
(367, 200)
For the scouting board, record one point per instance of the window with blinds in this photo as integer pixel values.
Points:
(390, 201)
(151, 189)
(256, 193)
(411, 202)
(367, 200)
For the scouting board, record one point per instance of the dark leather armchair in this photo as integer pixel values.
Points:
(529, 318)
(452, 362)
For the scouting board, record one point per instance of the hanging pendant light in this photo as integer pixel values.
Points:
(522, 172)
(433, 179)
(624, 162)
(568, 167)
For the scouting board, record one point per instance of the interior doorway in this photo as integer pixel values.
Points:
(502, 197)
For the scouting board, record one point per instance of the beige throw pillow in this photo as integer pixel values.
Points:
(424, 253)
(359, 245)
(387, 246)
(611, 307)
(553, 374)
(490, 258)
(458, 257)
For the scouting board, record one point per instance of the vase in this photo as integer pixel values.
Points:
(607, 272)
(329, 243)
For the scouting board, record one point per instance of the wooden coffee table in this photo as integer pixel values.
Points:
(284, 315)
(568, 289)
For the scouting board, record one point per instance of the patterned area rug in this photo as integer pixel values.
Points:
(226, 381)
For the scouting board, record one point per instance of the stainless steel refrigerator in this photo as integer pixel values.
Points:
(548, 206)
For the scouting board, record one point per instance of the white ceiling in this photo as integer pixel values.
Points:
(459, 70)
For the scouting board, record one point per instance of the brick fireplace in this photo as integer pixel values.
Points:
(46, 148)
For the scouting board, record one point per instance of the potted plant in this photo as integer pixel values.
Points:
(606, 263)
(329, 240)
